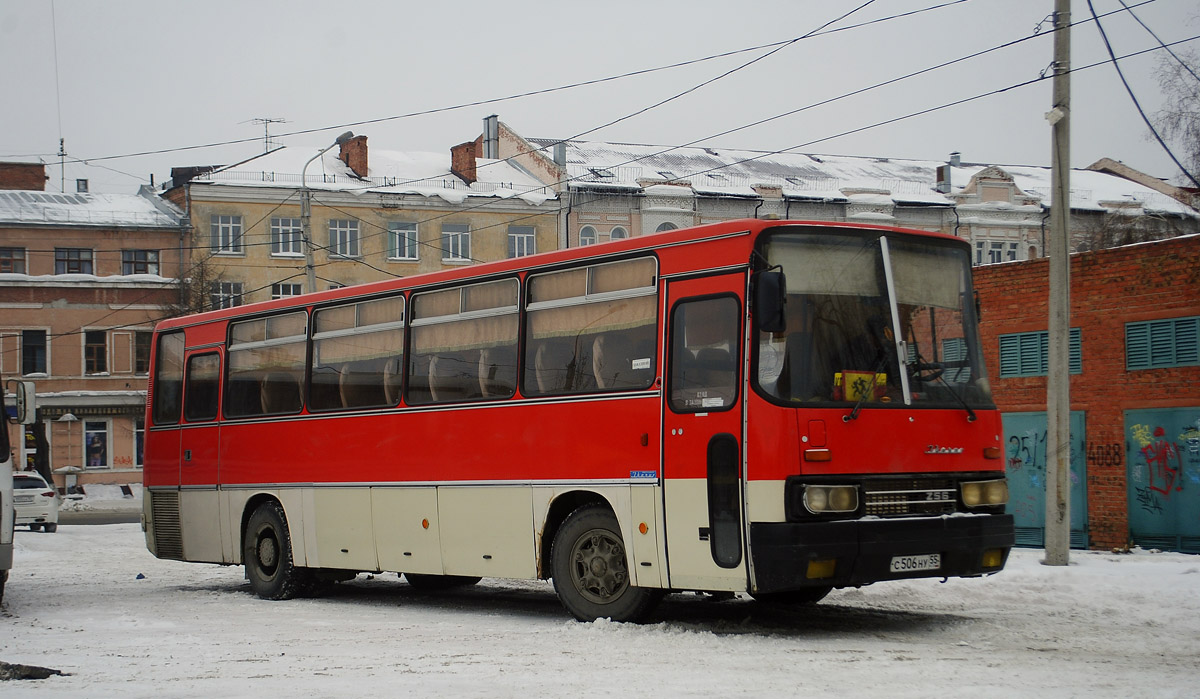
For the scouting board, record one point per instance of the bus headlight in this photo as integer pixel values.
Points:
(821, 499)
(980, 493)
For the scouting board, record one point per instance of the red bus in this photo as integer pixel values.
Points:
(773, 407)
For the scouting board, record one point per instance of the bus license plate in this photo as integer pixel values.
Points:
(908, 564)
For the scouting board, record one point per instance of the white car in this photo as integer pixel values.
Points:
(34, 502)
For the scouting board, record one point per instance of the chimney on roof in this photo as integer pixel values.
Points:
(29, 176)
(560, 154)
(81, 186)
(354, 154)
(491, 137)
(955, 159)
(462, 160)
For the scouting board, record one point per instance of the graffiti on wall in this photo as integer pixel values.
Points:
(1164, 464)
(1161, 461)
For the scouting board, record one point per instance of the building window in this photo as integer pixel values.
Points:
(139, 441)
(72, 261)
(667, 226)
(587, 236)
(95, 441)
(226, 234)
(336, 285)
(139, 262)
(990, 252)
(1162, 343)
(141, 351)
(456, 242)
(521, 241)
(12, 260)
(1028, 354)
(402, 237)
(283, 291)
(225, 294)
(343, 237)
(33, 352)
(618, 233)
(95, 352)
(287, 236)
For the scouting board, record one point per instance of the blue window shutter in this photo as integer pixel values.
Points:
(1187, 340)
(1034, 350)
(1010, 355)
(1075, 348)
(1137, 346)
(1162, 343)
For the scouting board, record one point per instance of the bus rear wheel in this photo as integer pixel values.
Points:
(267, 552)
(591, 570)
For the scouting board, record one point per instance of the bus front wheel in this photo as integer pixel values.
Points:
(590, 569)
(267, 552)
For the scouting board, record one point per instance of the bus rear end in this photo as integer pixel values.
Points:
(873, 449)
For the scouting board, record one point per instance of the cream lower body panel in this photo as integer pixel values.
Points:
(485, 530)
(691, 565)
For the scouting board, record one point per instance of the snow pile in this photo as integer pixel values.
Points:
(105, 497)
(92, 602)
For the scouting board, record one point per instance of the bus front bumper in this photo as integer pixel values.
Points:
(793, 555)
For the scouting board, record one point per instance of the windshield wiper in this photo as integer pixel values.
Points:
(870, 390)
(941, 378)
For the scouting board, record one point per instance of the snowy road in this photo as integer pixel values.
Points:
(1108, 626)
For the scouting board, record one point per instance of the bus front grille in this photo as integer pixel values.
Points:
(168, 537)
(909, 496)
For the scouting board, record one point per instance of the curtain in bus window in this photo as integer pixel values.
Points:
(591, 329)
(358, 353)
(464, 343)
(266, 366)
(167, 391)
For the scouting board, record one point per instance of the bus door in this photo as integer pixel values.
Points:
(198, 457)
(702, 438)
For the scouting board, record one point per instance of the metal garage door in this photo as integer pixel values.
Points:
(1162, 454)
(1025, 450)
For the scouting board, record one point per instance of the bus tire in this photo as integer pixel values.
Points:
(50, 527)
(267, 553)
(805, 595)
(424, 581)
(591, 570)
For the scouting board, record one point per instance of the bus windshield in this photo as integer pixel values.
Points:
(872, 320)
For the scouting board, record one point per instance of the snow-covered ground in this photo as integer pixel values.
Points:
(92, 602)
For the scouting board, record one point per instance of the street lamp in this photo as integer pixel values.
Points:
(306, 212)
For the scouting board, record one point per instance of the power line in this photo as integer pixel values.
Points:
(1182, 62)
(521, 95)
(1137, 105)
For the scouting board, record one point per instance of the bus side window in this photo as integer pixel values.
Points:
(203, 381)
(167, 393)
(266, 358)
(703, 375)
(357, 355)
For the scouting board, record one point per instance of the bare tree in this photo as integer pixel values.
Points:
(1179, 119)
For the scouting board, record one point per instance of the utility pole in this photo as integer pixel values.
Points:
(310, 273)
(1058, 383)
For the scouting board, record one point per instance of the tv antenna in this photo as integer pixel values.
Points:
(268, 144)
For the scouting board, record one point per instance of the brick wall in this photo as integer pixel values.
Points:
(28, 176)
(1109, 288)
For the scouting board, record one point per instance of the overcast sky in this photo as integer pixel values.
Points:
(138, 75)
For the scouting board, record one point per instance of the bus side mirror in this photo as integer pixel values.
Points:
(770, 295)
(26, 402)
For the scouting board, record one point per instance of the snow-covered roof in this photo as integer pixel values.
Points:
(732, 172)
(396, 172)
(84, 209)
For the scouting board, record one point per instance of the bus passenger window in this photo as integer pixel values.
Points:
(266, 365)
(167, 390)
(591, 329)
(704, 367)
(464, 343)
(203, 381)
(353, 347)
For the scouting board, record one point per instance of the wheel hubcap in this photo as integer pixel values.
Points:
(598, 566)
(268, 554)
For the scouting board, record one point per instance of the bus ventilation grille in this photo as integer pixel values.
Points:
(168, 537)
(909, 496)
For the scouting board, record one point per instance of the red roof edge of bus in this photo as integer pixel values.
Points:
(645, 242)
